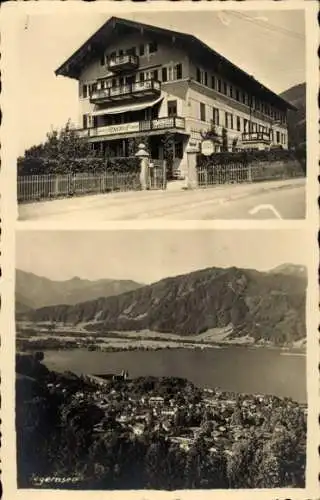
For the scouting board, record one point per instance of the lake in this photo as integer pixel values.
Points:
(238, 369)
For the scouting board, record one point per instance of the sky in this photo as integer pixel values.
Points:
(267, 44)
(146, 256)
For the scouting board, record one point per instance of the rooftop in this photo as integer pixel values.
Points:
(96, 44)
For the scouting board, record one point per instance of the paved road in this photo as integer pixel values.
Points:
(268, 200)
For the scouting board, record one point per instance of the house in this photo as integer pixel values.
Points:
(156, 400)
(140, 81)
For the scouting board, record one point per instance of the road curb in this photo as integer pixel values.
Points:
(262, 189)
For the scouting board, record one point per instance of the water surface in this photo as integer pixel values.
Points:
(237, 369)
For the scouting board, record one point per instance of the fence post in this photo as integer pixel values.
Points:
(56, 186)
(249, 173)
(164, 174)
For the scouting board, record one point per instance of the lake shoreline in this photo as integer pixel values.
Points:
(267, 371)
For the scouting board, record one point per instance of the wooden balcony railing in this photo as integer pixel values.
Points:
(174, 122)
(133, 89)
(256, 136)
(124, 62)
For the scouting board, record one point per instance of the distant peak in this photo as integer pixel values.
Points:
(289, 268)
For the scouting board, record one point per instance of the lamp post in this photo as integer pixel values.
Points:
(143, 154)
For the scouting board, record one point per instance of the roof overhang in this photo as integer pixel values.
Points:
(96, 44)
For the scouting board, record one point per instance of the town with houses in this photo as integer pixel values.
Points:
(219, 418)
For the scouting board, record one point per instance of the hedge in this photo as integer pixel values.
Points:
(246, 157)
(45, 166)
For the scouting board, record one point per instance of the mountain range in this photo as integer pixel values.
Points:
(296, 95)
(33, 292)
(263, 305)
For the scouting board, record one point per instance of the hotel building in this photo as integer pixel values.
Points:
(137, 80)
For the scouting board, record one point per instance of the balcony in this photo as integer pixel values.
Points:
(159, 124)
(126, 62)
(256, 137)
(125, 92)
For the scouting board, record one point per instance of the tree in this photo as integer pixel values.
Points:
(234, 144)
(241, 468)
(237, 417)
(39, 356)
(66, 144)
(155, 457)
(168, 141)
(224, 147)
(59, 151)
(211, 134)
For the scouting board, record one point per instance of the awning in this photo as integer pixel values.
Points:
(128, 107)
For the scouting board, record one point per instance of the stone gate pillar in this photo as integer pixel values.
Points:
(143, 155)
(192, 177)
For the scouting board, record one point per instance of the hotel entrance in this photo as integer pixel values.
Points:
(168, 147)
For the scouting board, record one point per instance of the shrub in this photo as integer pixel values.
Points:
(45, 166)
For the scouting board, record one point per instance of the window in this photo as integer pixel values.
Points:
(245, 125)
(179, 71)
(278, 137)
(164, 75)
(219, 85)
(243, 97)
(231, 91)
(213, 82)
(237, 95)
(198, 75)
(231, 120)
(85, 91)
(155, 74)
(226, 119)
(141, 50)
(141, 77)
(153, 47)
(225, 88)
(172, 108)
(202, 112)
(178, 149)
(205, 78)
(85, 121)
(215, 116)
(170, 74)
(238, 123)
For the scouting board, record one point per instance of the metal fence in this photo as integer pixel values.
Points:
(44, 187)
(242, 173)
(224, 174)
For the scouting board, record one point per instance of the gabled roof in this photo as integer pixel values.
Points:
(96, 44)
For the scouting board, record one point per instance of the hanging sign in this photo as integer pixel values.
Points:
(207, 147)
